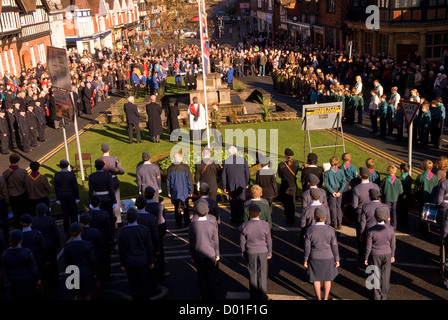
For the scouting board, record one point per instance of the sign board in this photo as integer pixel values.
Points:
(126, 204)
(63, 104)
(57, 64)
(410, 109)
(322, 116)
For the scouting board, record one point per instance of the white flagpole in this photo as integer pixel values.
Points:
(201, 26)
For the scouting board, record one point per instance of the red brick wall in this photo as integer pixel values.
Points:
(25, 47)
(7, 48)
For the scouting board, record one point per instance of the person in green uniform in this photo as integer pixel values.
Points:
(335, 183)
(403, 200)
(391, 189)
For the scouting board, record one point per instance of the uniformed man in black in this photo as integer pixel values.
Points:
(132, 120)
(67, 194)
(266, 178)
(311, 168)
(39, 111)
(207, 172)
(102, 185)
(33, 124)
(113, 166)
(13, 128)
(4, 132)
(287, 172)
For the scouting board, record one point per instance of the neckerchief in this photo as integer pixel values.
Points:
(428, 175)
(335, 169)
(391, 178)
(347, 164)
(35, 175)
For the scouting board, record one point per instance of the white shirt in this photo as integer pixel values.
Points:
(374, 103)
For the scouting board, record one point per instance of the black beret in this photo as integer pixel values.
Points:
(320, 213)
(150, 189)
(85, 218)
(202, 207)
(204, 187)
(64, 163)
(140, 200)
(26, 218)
(99, 164)
(75, 227)
(254, 208)
(289, 152)
(16, 235)
(312, 157)
(132, 214)
(374, 193)
(313, 179)
(364, 171)
(381, 214)
(145, 155)
(41, 208)
(95, 198)
(315, 192)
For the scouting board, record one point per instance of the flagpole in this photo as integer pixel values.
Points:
(201, 27)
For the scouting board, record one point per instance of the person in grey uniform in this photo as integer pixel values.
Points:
(321, 256)
(102, 185)
(360, 197)
(367, 219)
(113, 165)
(307, 217)
(313, 183)
(213, 209)
(256, 249)
(380, 252)
(148, 175)
(204, 247)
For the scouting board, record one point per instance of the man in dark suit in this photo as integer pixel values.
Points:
(39, 111)
(311, 168)
(132, 120)
(154, 112)
(4, 132)
(77, 100)
(102, 185)
(207, 172)
(47, 226)
(380, 251)
(256, 248)
(33, 123)
(235, 180)
(136, 255)
(204, 247)
(67, 194)
(13, 127)
(87, 96)
(266, 178)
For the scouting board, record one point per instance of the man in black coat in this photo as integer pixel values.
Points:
(13, 127)
(67, 194)
(39, 111)
(154, 111)
(132, 120)
(87, 95)
(33, 123)
(311, 168)
(207, 172)
(4, 132)
(24, 131)
(235, 180)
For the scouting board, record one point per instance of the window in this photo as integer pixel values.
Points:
(359, 3)
(42, 57)
(331, 6)
(403, 4)
(6, 61)
(368, 42)
(383, 43)
(436, 43)
(384, 4)
(33, 58)
(259, 3)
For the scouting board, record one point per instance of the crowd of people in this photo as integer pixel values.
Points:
(330, 191)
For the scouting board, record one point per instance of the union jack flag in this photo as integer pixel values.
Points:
(205, 41)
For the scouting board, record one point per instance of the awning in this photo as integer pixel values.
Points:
(102, 34)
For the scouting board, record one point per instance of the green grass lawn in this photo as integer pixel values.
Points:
(290, 136)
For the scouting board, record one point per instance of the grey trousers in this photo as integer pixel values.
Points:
(257, 264)
(382, 261)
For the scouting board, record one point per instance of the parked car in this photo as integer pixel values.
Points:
(185, 34)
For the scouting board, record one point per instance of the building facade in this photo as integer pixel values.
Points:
(406, 28)
(25, 35)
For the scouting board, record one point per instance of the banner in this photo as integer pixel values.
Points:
(57, 64)
(63, 104)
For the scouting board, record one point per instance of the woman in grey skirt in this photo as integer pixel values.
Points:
(321, 254)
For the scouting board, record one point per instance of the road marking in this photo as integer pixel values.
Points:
(246, 296)
(226, 255)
